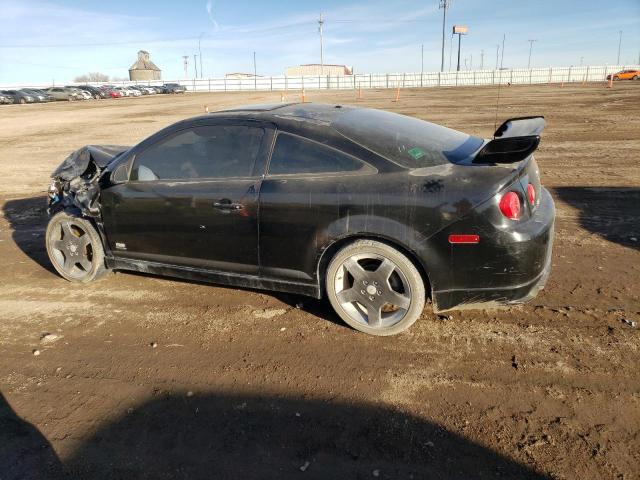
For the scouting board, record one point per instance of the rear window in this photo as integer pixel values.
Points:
(407, 141)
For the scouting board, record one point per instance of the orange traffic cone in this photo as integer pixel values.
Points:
(397, 94)
(282, 98)
(303, 96)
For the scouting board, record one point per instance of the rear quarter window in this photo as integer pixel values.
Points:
(297, 155)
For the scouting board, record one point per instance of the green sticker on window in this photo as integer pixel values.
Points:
(416, 153)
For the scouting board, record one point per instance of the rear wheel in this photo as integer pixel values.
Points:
(375, 288)
(74, 248)
(635, 77)
(23, 101)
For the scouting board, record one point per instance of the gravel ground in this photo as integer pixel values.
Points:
(143, 377)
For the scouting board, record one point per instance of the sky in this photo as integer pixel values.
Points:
(43, 41)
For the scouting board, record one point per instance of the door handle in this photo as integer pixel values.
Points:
(228, 205)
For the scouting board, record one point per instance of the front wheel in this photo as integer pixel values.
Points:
(375, 288)
(635, 77)
(74, 248)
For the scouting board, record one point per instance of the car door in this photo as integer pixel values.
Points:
(191, 198)
(308, 186)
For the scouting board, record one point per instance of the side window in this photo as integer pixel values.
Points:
(293, 154)
(218, 151)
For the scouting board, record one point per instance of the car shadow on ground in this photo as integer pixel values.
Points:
(24, 452)
(264, 437)
(28, 219)
(610, 212)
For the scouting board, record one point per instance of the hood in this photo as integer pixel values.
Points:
(78, 162)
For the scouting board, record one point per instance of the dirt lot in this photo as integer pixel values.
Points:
(148, 377)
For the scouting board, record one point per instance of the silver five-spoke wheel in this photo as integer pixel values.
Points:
(74, 248)
(375, 288)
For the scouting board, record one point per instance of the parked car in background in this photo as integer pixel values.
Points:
(19, 96)
(158, 89)
(123, 91)
(174, 88)
(625, 75)
(94, 91)
(151, 90)
(134, 92)
(373, 210)
(5, 99)
(40, 96)
(64, 93)
(138, 89)
(110, 92)
(85, 95)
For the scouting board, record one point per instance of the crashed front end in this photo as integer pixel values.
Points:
(76, 182)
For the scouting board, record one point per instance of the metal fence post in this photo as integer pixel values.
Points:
(271, 83)
(569, 75)
(209, 84)
(439, 78)
(225, 84)
(587, 74)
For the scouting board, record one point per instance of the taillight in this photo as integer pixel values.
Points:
(531, 193)
(510, 205)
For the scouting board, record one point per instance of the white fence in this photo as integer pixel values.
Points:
(517, 76)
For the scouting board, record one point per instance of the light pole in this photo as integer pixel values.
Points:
(255, 73)
(530, 48)
(421, 60)
(200, 52)
(502, 55)
(619, 45)
(481, 59)
(320, 24)
(195, 64)
(497, 53)
(444, 4)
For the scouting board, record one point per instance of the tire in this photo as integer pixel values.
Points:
(22, 101)
(75, 248)
(635, 77)
(388, 284)
(616, 78)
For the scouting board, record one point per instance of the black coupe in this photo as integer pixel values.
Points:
(374, 210)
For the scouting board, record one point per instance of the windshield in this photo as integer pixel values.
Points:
(407, 141)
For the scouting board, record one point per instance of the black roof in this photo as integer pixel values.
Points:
(317, 113)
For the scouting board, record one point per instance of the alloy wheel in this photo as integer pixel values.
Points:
(72, 249)
(372, 290)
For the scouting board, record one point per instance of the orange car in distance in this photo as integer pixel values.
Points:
(625, 75)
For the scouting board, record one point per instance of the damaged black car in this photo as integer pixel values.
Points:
(378, 212)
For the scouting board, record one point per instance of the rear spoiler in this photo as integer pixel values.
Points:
(513, 141)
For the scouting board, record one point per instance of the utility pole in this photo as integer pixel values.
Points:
(619, 45)
(185, 59)
(481, 59)
(200, 52)
(195, 64)
(444, 5)
(530, 48)
(497, 53)
(502, 55)
(421, 60)
(320, 24)
(255, 72)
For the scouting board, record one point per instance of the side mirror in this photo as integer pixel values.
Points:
(120, 174)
